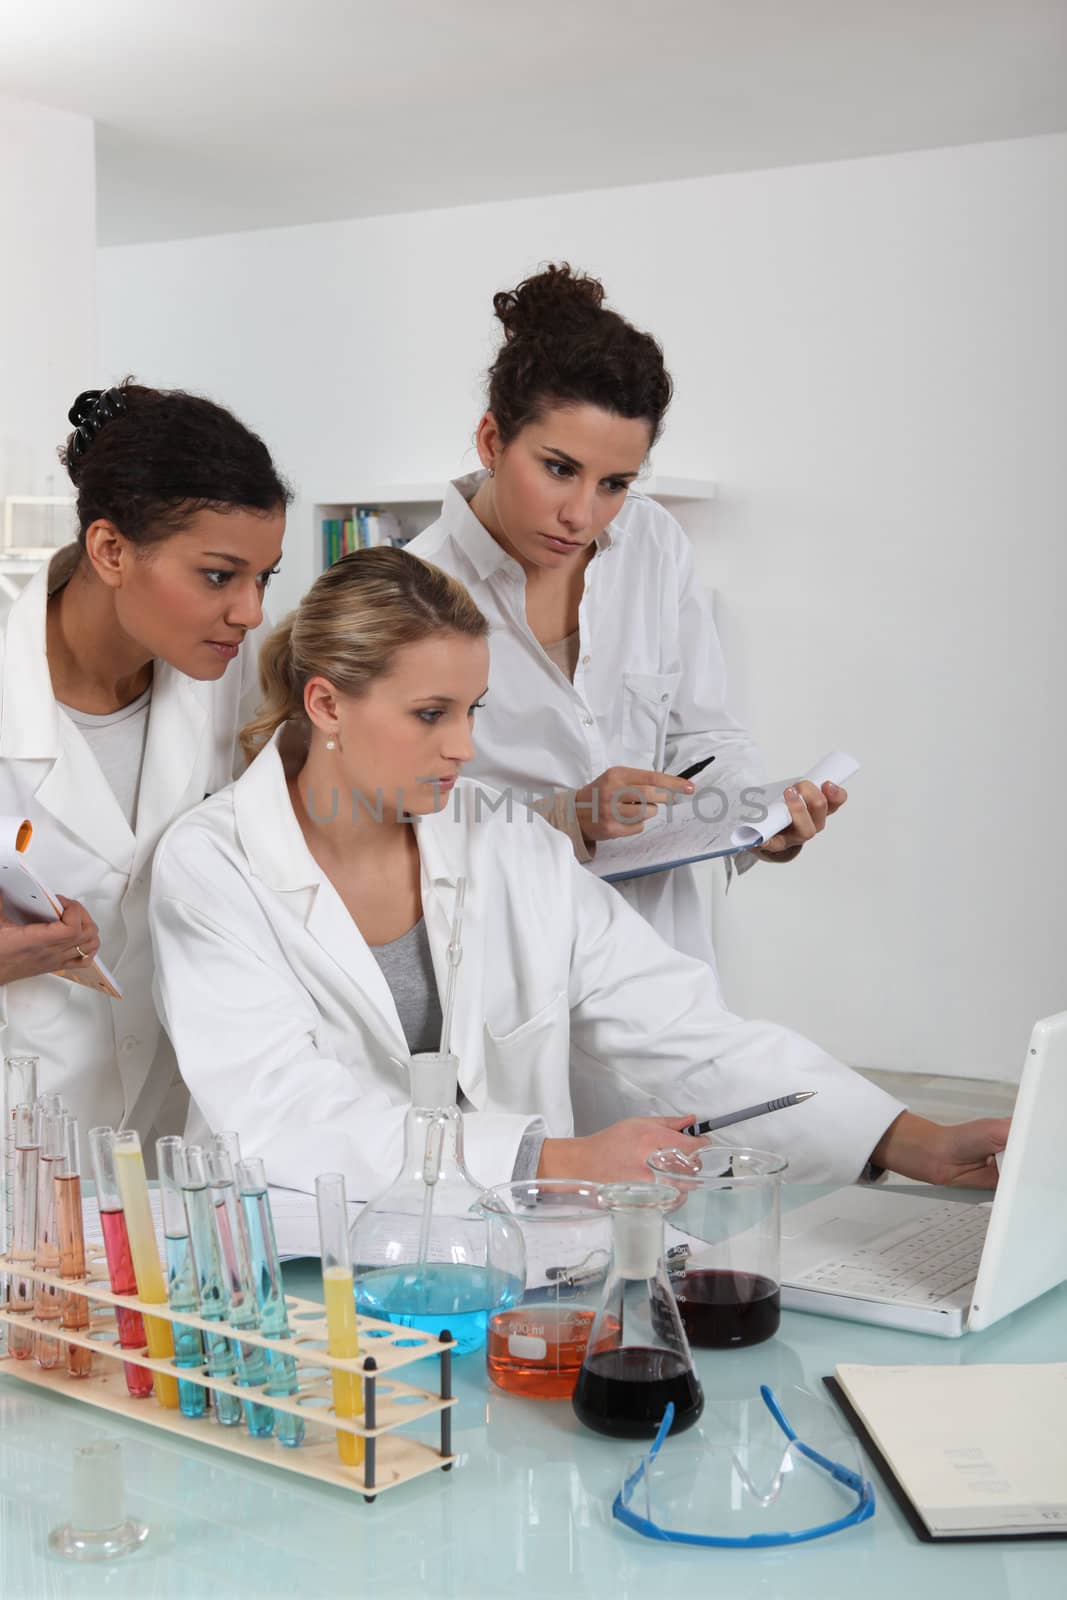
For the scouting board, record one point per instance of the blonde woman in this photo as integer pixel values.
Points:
(301, 920)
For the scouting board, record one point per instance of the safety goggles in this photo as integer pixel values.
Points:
(748, 1477)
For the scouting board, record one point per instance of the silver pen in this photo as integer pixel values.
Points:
(710, 1124)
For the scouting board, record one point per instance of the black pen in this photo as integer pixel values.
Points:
(691, 772)
(710, 1124)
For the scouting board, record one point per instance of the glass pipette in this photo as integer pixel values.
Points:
(431, 1166)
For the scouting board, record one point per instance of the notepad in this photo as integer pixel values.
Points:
(720, 819)
(978, 1451)
(27, 900)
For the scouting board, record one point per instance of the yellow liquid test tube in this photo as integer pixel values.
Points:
(148, 1270)
(338, 1291)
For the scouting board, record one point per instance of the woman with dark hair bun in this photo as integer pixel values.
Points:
(607, 680)
(127, 670)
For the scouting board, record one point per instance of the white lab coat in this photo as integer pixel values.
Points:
(107, 1058)
(649, 690)
(286, 1030)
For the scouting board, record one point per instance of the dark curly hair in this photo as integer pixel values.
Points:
(562, 346)
(149, 459)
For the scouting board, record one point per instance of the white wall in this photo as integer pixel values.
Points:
(870, 357)
(47, 288)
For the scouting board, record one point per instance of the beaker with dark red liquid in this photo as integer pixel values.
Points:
(728, 1201)
(638, 1358)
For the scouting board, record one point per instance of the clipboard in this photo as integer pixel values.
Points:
(26, 900)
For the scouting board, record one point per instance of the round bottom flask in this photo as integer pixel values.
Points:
(427, 1254)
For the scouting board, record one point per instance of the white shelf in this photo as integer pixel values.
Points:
(658, 486)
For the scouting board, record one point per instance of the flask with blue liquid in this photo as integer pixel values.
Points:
(429, 1253)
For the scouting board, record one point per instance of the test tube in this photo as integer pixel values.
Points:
(47, 1305)
(270, 1292)
(24, 1233)
(338, 1291)
(181, 1275)
(18, 1087)
(71, 1231)
(211, 1284)
(151, 1288)
(250, 1359)
(130, 1324)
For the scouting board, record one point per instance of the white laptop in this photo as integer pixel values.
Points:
(946, 1266)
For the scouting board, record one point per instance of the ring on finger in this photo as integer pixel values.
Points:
(81, 952)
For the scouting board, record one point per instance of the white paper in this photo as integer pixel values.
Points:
(977, 1449)
(718, 820)
(26, 900)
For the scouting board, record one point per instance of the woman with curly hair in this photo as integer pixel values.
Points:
(125, 665)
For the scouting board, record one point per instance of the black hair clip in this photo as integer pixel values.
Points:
(90, 412)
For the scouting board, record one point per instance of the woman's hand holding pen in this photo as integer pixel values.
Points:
(36, 948)
(809, 808)
(622, 799)
(616, 1154)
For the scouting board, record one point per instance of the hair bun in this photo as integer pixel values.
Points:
(90, 412)
(555, 296)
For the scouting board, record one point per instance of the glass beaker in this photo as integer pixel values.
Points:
(425, 1252)
(729, 1202)
(638, 1357)
(537, 1347)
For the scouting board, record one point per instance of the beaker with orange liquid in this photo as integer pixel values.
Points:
(536, 1348)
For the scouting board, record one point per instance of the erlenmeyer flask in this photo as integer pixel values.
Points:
(638, 1356)
(426, 1253)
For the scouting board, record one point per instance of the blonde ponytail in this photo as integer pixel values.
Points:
(348, 627)
(281, 701)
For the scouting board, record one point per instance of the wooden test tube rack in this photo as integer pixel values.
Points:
(390, 1458)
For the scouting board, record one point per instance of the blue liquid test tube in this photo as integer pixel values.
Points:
(250, 1359)
(211, 1284)
(181, 1275)
(270, 1292)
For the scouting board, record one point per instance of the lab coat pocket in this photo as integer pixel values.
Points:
(647, 701)
(527, 1068)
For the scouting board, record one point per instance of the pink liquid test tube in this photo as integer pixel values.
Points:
(119, 1260)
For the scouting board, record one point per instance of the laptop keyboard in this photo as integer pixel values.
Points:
(921, 1263)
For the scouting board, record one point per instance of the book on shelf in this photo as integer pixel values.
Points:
(365, 528)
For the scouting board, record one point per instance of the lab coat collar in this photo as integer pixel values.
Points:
(278, 855)
(29, 720)
(72, 787)
(481, 549)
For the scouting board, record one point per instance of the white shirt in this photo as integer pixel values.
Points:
(649, 689)
(117, 740)
(107, 1058)
(286, 1029)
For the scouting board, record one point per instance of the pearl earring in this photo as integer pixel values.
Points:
(331, 744)
(492, 472)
